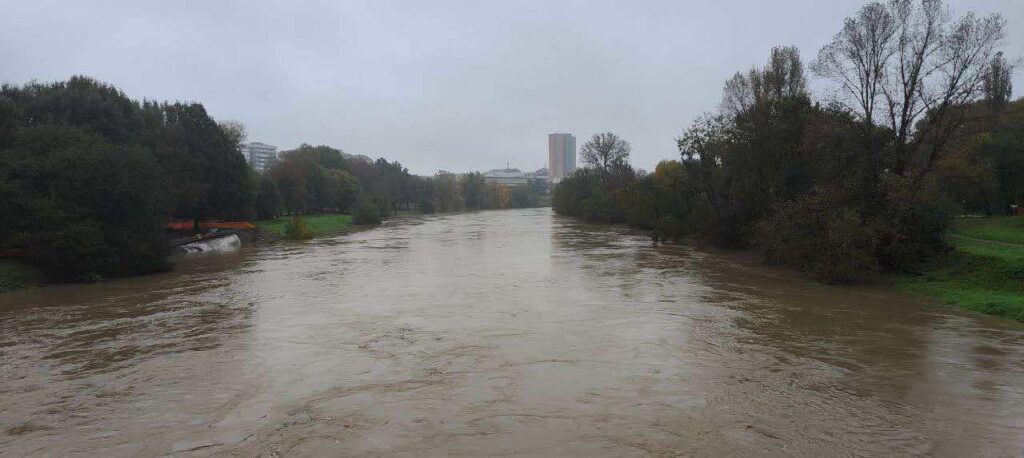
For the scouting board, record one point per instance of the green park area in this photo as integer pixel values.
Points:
(317, 224)
(985, 270)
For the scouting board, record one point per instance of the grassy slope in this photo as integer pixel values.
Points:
(985, 275)
(1000, 229)
(318, 224)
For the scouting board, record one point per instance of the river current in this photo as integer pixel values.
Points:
(514, 332)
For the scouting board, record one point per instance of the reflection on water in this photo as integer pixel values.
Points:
(493, 333)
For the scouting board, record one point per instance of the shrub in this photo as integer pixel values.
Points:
(813, 235)
(296, 229)
(914, 221)
(366, 213)
(427, 206)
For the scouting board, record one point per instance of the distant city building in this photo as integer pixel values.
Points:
(260, 156)
(540, 174)
(514, 177)
(509, 177)
(561, 156)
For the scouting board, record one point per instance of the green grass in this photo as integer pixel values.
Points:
(318, 224)
(985, 275)
(16, 275)
(1006, 229)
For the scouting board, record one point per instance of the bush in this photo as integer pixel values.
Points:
(383, 206)
(296, 229)
(913, 224)
(427, 206)
(815, 236)
(366, 213)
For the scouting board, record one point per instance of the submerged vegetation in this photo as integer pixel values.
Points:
(846, 188)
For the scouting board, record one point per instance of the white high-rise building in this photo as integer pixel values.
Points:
(561, 156)
(259, 155)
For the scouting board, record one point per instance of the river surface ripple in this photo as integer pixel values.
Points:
(500, 332)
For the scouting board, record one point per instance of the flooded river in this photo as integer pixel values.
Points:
(501, 332)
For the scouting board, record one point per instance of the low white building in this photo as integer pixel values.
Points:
(260, 156)
(508, 177)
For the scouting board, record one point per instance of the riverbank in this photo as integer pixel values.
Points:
(985, 270)
(319, 225)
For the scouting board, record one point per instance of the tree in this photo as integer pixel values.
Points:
(474, 190)
(268, 200)
(235, 130)
(783, 77)
(344, 188)
(292, 181)
(605, 151)
(446, 186)
(209, 177)
(998, 84)
(900, 61)
(81, 207)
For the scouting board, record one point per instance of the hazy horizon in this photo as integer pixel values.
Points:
(466, 86)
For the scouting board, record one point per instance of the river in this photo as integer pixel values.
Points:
(499, 332)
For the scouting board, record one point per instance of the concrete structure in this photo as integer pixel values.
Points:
(260, 156)
(508, 177)
(561, 156)
(514, 177)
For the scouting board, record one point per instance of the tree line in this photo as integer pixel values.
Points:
(89, 179)
(321, 179)
(920, 127)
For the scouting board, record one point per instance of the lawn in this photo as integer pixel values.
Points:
(983, 273)
(318, 224)
(998, 228)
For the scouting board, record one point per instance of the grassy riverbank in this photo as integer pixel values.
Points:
(984, 272)
(317, 224)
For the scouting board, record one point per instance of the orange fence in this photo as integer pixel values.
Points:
(188, 225)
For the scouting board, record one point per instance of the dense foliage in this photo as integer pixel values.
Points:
(865, 183)
(322, 179)
(88, 176)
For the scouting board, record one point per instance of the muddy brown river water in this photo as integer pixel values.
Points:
(499, 333)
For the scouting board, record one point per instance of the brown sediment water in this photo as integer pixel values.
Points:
(501, 332)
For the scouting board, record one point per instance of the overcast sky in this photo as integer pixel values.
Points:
(454, 85)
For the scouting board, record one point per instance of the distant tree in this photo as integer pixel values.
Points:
(783, 77)
(235, 130)
(447, 192)
(503, 195)
(323, 156)
(523, 196)
(998, 84)
(344, 188)
(605, 151)
(268, 200)
(293, 182)
(474, 190)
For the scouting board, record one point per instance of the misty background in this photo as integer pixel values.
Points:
(453, 85)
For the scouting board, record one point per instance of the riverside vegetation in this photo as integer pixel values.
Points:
(89, 179)
(852, 186)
